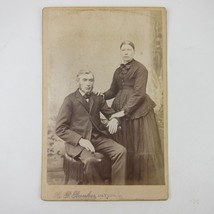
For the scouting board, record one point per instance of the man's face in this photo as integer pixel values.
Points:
(86, 82)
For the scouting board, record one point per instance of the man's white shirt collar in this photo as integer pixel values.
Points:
(82, 93)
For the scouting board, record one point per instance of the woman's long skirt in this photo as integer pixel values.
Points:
(145, 164)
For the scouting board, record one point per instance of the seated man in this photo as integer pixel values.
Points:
(79, 125)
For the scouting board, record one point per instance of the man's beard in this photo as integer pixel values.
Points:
(87, 92)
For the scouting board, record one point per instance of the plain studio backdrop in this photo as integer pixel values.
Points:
(190, 104)
(90, 39)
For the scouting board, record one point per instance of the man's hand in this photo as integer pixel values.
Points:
(87, 145)
(112, 126)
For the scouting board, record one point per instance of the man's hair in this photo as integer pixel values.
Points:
(83, 71)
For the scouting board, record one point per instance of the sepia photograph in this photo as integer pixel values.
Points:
(105, 109)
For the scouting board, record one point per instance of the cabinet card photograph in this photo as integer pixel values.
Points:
(104, 104)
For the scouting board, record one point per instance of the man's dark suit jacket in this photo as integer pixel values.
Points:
(77, 117)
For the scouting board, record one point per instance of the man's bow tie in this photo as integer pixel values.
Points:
(87, 96)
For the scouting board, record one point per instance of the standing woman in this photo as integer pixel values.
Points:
(139, 130)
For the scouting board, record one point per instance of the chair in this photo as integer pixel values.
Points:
(73, 169)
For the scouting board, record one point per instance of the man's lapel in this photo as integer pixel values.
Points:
(91, 101)
(82, 100)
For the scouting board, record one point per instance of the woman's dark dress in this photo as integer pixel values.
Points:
(139, 131)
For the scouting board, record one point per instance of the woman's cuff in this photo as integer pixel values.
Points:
(104, 95)
(125, 110)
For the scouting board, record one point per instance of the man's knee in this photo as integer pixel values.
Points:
(122, 150)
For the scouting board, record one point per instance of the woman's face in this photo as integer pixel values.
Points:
(127, 52)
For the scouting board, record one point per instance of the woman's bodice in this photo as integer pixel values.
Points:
(129, 89)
